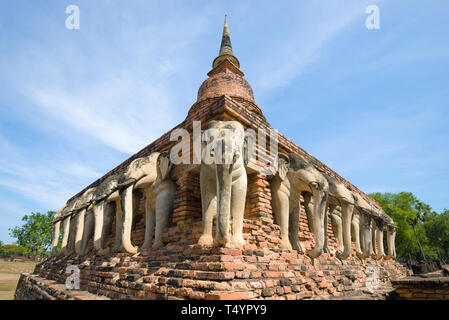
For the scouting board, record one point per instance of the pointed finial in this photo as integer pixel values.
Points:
(226, 47)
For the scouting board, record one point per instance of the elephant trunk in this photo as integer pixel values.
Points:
(318, 221)
(126, 197)
(224, 181)
(346, 217)
(54, 244)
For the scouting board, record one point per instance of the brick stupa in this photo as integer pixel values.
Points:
(184, 270)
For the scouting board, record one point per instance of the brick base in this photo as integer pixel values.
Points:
(192, 272)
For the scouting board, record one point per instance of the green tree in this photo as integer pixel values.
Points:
(437, 230)
(35, 235)
(10, 250)
(409, 214)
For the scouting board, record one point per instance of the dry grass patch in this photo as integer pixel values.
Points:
(9, 276)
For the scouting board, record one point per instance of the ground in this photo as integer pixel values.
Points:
(9, 276)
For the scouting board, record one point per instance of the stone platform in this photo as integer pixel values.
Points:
(211, 274)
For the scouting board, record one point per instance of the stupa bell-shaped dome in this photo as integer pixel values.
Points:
(226, 78)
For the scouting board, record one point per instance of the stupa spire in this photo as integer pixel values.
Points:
(226, 48)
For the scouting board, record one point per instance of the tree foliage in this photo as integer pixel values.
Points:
(35, 235)
(422, 233)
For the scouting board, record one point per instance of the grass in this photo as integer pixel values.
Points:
(9, 276)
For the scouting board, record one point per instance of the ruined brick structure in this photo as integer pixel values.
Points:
(184, 270)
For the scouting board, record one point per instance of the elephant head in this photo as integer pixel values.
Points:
(223, 182)
(295, 176)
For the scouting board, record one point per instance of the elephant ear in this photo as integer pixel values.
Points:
(249, 145)
(283, 165)
(164, 165)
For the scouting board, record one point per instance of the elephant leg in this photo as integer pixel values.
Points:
(79, 222)
(65, 236)
(346, 218)
(281, 210)
(294, 228)
(326, 231)
(320, 201)
(88, 232)
(356, 233)
(118, 225)
(373, 248)
(308, 208)
(224, 191)
(126, 197)
(164, 206)
(209, 204)
(54, 244)
(149, 221)
(337, 227)
(238, 199)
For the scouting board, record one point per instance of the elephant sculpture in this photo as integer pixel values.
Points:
(68, 228)
(56, 232)
(104, 206)
(84, 222)
(293, 177)
(223, 183)
(361, 233)
(340, 196)
(391, 235)
(151, 173)
(159, 195)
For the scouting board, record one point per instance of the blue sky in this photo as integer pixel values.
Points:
(371, 104)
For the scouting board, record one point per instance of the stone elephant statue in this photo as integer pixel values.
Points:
(295, 176)
(360, 232)
(68, 229)
(223, 183)
(159, 196)
(105, 204)
(341, 206)
(151, 173)
(351, 228)
(56, 231)
(84, 222)
(391, 235)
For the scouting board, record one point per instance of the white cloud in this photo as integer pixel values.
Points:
(317, 24)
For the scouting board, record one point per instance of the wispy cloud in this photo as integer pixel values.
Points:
(292, 54)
